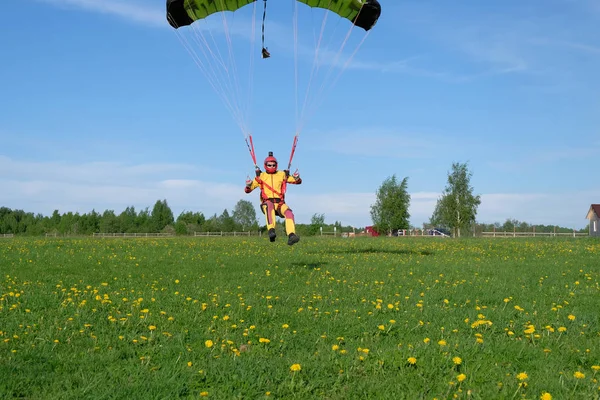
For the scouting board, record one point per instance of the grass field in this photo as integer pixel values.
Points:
(364, 318)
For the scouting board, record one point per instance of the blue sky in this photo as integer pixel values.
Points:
(103, 107)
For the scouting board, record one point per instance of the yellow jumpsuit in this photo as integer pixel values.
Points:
(272, 196)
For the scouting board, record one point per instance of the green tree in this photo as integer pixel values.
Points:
(244, 215)
(127, 220)
(457, 207)
(390, 211)
(109, 223)
(316, 222)
(226, 222)
(161, 216)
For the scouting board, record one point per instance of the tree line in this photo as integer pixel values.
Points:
(160, 219)
(455, 210)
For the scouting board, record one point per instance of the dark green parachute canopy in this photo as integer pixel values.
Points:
(362, 13)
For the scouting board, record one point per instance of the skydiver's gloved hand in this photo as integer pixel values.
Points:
(297, 177)
(258, 171)
(247, 188)
(287, 172)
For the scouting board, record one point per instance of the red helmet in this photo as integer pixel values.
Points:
(271, 159)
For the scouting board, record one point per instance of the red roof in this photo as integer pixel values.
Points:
(596, 209)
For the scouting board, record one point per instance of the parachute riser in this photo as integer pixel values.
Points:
(293, 151)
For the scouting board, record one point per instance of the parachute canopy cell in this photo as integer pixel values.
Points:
(362, 13)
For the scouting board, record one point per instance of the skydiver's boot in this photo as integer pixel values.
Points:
(272, 234)
(293, 238)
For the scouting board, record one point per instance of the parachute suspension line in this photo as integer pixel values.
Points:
(215, 85)
(265, 52)
(319, 98)
(295, 26)
(314, 70)
(231, 57)
(251, 67)
(217, 74)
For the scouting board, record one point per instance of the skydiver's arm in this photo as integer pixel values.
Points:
(294, 179)
(251, 185)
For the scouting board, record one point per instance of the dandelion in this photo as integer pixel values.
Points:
(285, 326)
(209, 343)
(295, 367)
(522, 376)
(457, 360)
(264, 340)
(546, 396)
(412, 360)
(579, 375)
(204, 394)
(571, 317)
(381, 327)
(461, 377)
(442, 342)
(189, 364)
(152, 327)
(335, 347)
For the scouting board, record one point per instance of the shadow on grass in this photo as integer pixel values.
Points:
(309, 265)
(375, 250)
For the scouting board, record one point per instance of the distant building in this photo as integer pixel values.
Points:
(594, 216)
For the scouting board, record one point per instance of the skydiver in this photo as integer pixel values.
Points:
(273, 184)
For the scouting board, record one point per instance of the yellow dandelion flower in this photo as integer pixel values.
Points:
(579, 375)
(546, 396)
(522, 376)
(285, 326)
(426, 340)
(189, 364)
(412, 360)
(264, 340)
(461, 377)
(596, 367)
(562, 329)
(442, 342)
(209, 343)
(381, 327)
(204, 394)
(457, 360)
(571, 317)
(152, 327)
(335, 347)
(295, 367)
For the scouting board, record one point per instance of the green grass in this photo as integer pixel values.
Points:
(130, 318)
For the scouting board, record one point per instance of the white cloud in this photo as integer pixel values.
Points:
(42, 187)
(566, 209)
(139, 11)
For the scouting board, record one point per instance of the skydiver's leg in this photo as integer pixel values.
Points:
(269, 211)
(290, 225)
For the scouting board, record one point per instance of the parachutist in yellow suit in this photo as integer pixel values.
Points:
(273, 185)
